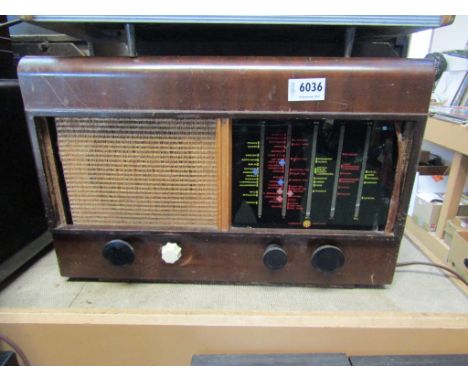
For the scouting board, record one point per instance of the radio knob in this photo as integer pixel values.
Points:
(328, 258)
(171, 252)
(275, 257)
(118, 252)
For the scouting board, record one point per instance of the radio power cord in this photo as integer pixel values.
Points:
(447, 269)
(16, 348)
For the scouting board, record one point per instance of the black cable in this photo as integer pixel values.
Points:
(17, 349)
(447, 269)
(11, 23)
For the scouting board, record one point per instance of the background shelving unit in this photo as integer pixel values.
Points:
(454, 137)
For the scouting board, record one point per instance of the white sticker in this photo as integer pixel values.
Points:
(306, 89)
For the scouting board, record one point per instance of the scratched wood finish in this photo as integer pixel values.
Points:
(224, 88)
(50, 181)
(224, 257)
(224, 85)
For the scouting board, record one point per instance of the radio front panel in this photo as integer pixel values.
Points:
(226, 179)
(162, 173)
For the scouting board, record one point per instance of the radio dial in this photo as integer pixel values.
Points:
(328, 258)
(171, 253)
(119, 252)
(275, 257)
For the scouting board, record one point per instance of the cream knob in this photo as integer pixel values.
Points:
(171, 252)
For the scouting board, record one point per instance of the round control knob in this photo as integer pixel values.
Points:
(328, 258)
(118, 252)
(171, 252)
(275, 257)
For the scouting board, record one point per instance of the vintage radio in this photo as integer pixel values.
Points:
(245, 170)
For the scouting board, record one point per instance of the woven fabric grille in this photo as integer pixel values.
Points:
(153, 173)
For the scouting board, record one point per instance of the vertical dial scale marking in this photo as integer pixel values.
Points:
(260, 170)
(337, 171)
(363, 171)
(311, 172)
(287, 163)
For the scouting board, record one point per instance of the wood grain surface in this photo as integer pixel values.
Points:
(223, 88)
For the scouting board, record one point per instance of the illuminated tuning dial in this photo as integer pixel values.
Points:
(171, 253)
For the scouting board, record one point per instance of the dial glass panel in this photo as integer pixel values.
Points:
(312, 174)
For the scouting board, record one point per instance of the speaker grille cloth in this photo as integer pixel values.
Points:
(139, 172)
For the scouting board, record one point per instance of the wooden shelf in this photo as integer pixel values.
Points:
(433, 170)
(455, 138)
(446, 134)
(163, 338)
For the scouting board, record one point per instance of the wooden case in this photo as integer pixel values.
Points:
(211, 92)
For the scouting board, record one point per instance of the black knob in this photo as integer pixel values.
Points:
(328, 258)
(118, 252)
(275, 257)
